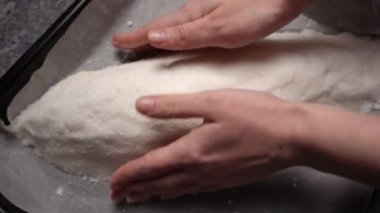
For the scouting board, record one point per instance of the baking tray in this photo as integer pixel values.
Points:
(37, 186)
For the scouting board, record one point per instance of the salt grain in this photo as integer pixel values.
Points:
(59, 191)
(130, 24)
(94, 180)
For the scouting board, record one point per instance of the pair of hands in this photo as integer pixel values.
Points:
(246, 135)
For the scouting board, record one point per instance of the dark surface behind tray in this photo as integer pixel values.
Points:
(22, 22)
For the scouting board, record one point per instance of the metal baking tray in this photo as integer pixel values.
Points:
(34, 185)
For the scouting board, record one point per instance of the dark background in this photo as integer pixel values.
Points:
(22, 22)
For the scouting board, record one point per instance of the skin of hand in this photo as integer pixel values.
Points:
(246, 136)
(214, 23)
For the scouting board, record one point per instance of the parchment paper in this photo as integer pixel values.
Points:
(36, 186)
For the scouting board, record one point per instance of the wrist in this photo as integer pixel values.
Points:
(321, 131)
(294, 132)
(338, 141)
(304, 132)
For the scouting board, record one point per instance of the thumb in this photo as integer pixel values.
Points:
(186, 36)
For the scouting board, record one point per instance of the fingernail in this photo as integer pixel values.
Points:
(145, 104)
(157, 36)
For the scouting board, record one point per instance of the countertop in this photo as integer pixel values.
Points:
(22, 22)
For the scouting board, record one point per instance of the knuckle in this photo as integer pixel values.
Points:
(168, 108)
(192, 152)
(180, 36)
(226, 34)
(191, 10)
(217, 26)
(196, 154)
(145, 167)
(218, 99)
(213, 99)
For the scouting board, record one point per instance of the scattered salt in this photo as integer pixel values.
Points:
(376, 106)
(367, 107)
(294, 184)
(94, 180)
(130, 23)
(60, 191)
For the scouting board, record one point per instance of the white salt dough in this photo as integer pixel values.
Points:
(87, 123)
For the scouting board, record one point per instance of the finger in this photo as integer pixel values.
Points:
(176, 192)
(202, 104)
(162, 186)
(181, 191)
(174, 157)
(143, 52)
(132, 55)
(153, 164)
(190, 35)
(140, 36)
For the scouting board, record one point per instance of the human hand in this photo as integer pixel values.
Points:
(246, 135)
(214, 23)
